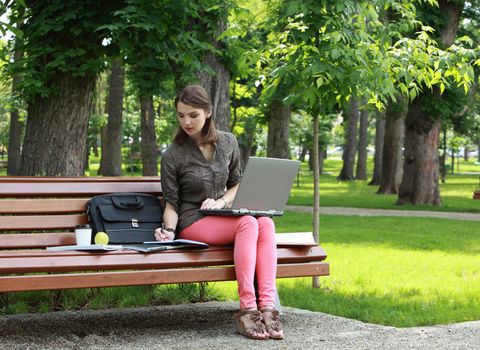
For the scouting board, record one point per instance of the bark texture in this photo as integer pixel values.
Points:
(378, 157)
(56, 131)
(112, 164)
(246, 140)
(149, 144)
(361, 172)
(392, 148)
(420, 169)
(350, 142)
(278, 130)
(217, 85)
(16, 127)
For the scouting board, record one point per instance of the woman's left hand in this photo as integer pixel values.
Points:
(211, 203)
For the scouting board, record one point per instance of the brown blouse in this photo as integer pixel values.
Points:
(188, 178)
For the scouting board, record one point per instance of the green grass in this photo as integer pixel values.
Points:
(456, 192)
(389, 270)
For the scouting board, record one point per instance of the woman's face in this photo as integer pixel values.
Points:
(191, 119)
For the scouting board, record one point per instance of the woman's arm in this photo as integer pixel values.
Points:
(170, 220)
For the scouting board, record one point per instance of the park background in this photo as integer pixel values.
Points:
(377, 98)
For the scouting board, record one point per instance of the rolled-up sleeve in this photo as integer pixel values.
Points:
(169, 180)
(234, 167)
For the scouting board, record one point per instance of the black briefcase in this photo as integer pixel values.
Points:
(125, 217)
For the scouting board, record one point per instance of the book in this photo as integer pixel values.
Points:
(90, 247)
(295, 239)
(179, 242)
(150, 248)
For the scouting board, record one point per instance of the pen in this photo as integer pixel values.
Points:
(163, 231)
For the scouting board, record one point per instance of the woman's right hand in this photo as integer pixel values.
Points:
(163, 235)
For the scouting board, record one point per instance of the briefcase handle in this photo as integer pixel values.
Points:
(124, 203)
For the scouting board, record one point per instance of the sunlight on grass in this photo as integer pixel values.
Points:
(388, 270)
(456, 193)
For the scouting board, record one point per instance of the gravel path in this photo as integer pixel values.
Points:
(387, 212)
(210, 326)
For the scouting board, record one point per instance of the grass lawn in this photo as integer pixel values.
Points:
(389, 270)
(456, 192)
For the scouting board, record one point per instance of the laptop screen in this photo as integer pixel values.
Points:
(266, 184)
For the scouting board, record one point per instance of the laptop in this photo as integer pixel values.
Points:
(264, 188)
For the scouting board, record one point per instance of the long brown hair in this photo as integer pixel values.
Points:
(197, 97)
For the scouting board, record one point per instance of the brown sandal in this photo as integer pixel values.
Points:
(274, 327)
(249, 323)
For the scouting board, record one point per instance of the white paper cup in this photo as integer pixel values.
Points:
(83, 235)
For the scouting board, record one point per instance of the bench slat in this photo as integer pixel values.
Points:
(113, 279)
(38, 222)
(66, 189)
(127, 260)
(43, 206)
(35, 240)
(42, 240)
(56, 179)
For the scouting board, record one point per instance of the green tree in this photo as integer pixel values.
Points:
(63, 52)
(420, 170)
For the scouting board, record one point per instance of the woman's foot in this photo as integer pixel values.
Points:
(271, 319)
(249, 323)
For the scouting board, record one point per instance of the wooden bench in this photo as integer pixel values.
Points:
(36, 212)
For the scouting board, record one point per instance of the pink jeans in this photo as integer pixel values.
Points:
(255, 251)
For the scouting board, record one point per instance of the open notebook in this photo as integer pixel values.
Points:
(264, 188)
(146, 247)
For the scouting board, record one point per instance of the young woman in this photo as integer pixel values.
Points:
(201, 170)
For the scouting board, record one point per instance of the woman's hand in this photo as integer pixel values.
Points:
(163, 235)
(211, 203)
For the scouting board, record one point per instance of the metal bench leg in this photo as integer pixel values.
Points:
(278, 305)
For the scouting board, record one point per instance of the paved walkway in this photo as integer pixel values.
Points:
(210, 326)
(387, 212)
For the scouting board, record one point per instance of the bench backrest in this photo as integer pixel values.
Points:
(36, 212)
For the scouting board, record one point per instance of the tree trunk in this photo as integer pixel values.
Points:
(246, 140)
(322, 155)
(103, 143)
(303, 153)
(420, 168)
(392, 148)
(278, 130)
(56, 131)
(378, 157)
(361, 173)
(16, 126)
(348, 156)
(453, 11)
(112, 164)
(316, 191)
(149, 143)
(218, 89)
(443, 157)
